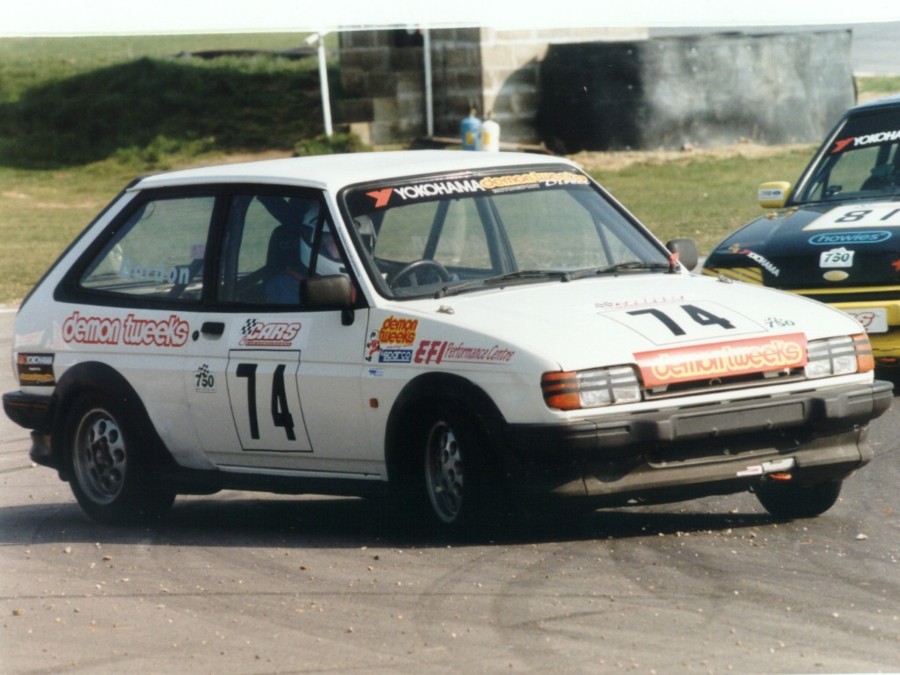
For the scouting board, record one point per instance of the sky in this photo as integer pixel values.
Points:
(27, 18)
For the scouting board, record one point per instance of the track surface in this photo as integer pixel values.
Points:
(246, 583)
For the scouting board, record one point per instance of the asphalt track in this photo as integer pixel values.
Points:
(248, 583)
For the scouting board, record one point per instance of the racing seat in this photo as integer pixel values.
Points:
(284, 270)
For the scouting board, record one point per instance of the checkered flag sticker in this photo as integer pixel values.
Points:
(249, 326)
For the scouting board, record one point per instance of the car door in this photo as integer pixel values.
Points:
(274, 383)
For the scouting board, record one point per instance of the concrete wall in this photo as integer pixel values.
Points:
(707, 90)
(494, 71)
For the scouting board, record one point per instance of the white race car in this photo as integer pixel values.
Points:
(446, 328)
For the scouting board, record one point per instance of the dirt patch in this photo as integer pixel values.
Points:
(616, 161)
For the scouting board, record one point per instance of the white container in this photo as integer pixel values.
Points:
(489, 137)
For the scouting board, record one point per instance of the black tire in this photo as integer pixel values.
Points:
(109, 462)
(788, 500)
(457, 479)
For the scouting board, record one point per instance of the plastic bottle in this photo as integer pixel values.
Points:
(489, 137)
(469, 131)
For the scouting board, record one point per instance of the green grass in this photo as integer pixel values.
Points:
(881, 85)
(702, 198)
(81, 117)
(72, 101)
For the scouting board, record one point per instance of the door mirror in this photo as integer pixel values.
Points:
(332, 291)
(686, 250)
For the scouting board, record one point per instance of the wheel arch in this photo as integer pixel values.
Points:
(426, 390)
(97, 376)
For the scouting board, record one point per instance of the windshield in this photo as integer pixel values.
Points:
(862, 161)
(445, 234)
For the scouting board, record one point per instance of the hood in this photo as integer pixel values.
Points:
(606, 321)
(816, 246)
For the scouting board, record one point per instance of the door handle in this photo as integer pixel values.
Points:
(213, 328)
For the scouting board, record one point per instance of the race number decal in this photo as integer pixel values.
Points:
(680, 322)
(265, 401)
(836, 257)
(859, 215)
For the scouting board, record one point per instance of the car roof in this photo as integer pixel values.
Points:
(333, 172)
(886, 102)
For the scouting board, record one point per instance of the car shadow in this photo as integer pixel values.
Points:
(236, 520)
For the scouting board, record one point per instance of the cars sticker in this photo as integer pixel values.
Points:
(866, 216)
(713, 361)
(257, 333)
(130, 331)
(35, 370)
(836, 257)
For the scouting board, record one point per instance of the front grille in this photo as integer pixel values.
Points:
(724, 384)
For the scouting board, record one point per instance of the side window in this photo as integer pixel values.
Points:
(272, 243)
(157, 253)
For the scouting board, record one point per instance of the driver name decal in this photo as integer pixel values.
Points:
(705, 362)
(130, 331)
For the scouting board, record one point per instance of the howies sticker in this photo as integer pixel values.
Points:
(836, 257)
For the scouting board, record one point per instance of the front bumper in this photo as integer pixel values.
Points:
(31, 411)
(669, 455)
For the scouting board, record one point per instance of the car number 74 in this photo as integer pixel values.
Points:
(265, 401)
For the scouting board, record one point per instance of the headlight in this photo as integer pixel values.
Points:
(839, 356)
(572, 390)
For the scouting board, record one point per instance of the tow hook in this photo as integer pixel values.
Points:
(776, 469)
(779, 469)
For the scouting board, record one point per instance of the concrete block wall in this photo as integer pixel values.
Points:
(497, 72)
(510, 62)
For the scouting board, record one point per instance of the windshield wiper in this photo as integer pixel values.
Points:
(523, 276)
(627, 266)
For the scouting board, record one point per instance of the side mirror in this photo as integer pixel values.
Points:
(773, 195)
(333, 291)
(686, 250)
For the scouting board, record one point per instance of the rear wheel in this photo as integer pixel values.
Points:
(789, 500)
(110, 462)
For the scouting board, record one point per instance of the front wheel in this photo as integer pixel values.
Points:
(457, 463)
(110, 462)
(788, 500)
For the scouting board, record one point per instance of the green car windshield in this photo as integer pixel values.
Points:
(861, 161)
(441, 235)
